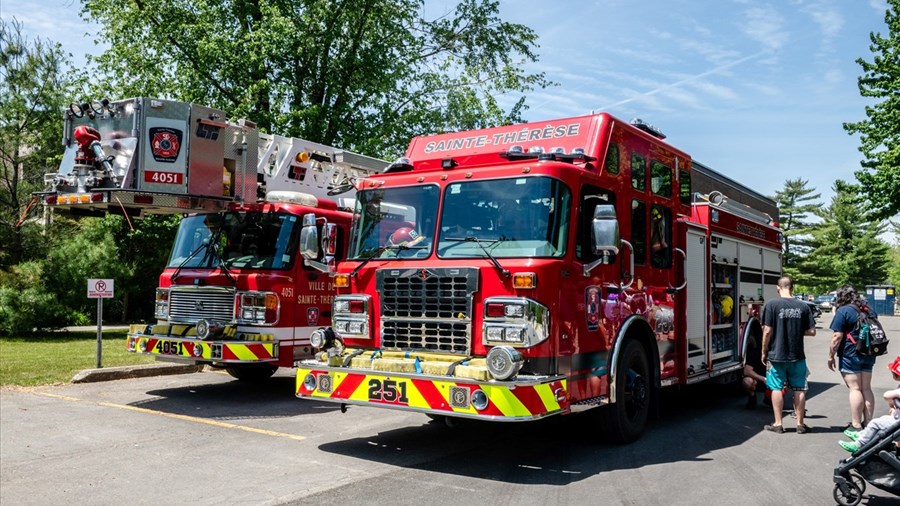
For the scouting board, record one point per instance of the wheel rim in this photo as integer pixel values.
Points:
(851, 498)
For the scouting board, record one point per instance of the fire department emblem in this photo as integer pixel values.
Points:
(165, 143)
(592, 307)
(312, 316)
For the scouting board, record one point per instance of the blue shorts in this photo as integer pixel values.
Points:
(855, 364)
(791, 374)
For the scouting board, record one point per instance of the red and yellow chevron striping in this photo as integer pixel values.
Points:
(451, 396)
(203, 350)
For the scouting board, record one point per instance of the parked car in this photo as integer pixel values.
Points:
(825, 302)
(814, 308)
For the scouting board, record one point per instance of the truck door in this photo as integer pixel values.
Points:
(695, 300)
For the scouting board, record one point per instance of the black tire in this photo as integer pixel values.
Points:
(627, 418)
(853, 496)
(251, 372)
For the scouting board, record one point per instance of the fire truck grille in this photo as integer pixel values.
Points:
(188, 306)
(427, 309)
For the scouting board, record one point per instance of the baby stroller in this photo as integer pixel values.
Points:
(875, 462)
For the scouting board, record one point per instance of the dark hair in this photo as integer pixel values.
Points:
(846, 295)
(786, 282)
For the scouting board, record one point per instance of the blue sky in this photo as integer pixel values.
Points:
(758, 90)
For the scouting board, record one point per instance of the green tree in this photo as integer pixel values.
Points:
(365, 75)
(33, 86)
(87, 250)
(145, 250)
(880, 133)
(894, 267)
(795, 203)
(846, 247)
(27, 303)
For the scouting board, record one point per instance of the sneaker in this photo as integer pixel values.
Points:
(852, 432)
(803, 429)
(850, 446)
(778, 429)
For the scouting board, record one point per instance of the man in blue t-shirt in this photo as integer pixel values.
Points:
(786, 321)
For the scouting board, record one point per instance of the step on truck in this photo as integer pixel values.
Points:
(235, 293)
(525, 271)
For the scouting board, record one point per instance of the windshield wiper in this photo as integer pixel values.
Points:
(203, 246)
(216, 245)
(503, 272)
(378, 251)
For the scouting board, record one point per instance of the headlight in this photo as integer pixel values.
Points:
(350, 316)
(162, 303)
(479, 399)
(309, 382)
(515, 321)
(258, 308)
(504, 362)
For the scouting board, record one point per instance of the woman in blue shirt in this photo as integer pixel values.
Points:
(855, 369)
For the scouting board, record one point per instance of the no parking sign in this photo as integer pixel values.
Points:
(100, 289)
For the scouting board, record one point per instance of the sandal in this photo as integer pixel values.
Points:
(803, 429)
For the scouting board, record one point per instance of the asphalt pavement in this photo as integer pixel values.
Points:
(207, 439)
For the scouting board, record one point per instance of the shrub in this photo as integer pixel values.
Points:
(26, 304)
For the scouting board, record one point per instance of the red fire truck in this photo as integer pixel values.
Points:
(235, 293)
(524, 271)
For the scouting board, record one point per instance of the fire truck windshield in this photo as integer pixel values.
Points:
(522, 217)
(394, 222)
(243, 240)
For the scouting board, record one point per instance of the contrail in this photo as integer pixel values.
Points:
(688, 79)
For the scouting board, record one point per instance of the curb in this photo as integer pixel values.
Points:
(133, 371)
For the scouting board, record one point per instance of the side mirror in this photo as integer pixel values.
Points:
(309, 238)
(605, 230)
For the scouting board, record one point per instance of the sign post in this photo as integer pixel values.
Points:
(99, 289)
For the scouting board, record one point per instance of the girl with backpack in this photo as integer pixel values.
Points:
(855, 368)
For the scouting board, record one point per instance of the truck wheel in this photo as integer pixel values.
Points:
(627, 418)
(251, 372)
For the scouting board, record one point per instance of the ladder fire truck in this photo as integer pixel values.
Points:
(235, 293)
(519, 272)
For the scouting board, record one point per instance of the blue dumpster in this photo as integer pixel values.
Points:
(881, 298)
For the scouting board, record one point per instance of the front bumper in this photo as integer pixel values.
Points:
(180, 343)
(409, 383)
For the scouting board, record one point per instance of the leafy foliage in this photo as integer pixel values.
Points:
(366, 75)
(880, 133)
(26, 303)
(894, 264)
(33, 87)
(795, 204)
(846, 248)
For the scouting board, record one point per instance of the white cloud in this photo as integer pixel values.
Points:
(829, 20)
(879, 5)
(766, 26)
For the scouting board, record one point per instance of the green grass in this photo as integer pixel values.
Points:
(56, 357)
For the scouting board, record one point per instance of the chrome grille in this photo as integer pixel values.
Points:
(427, 309)
(190, 305)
